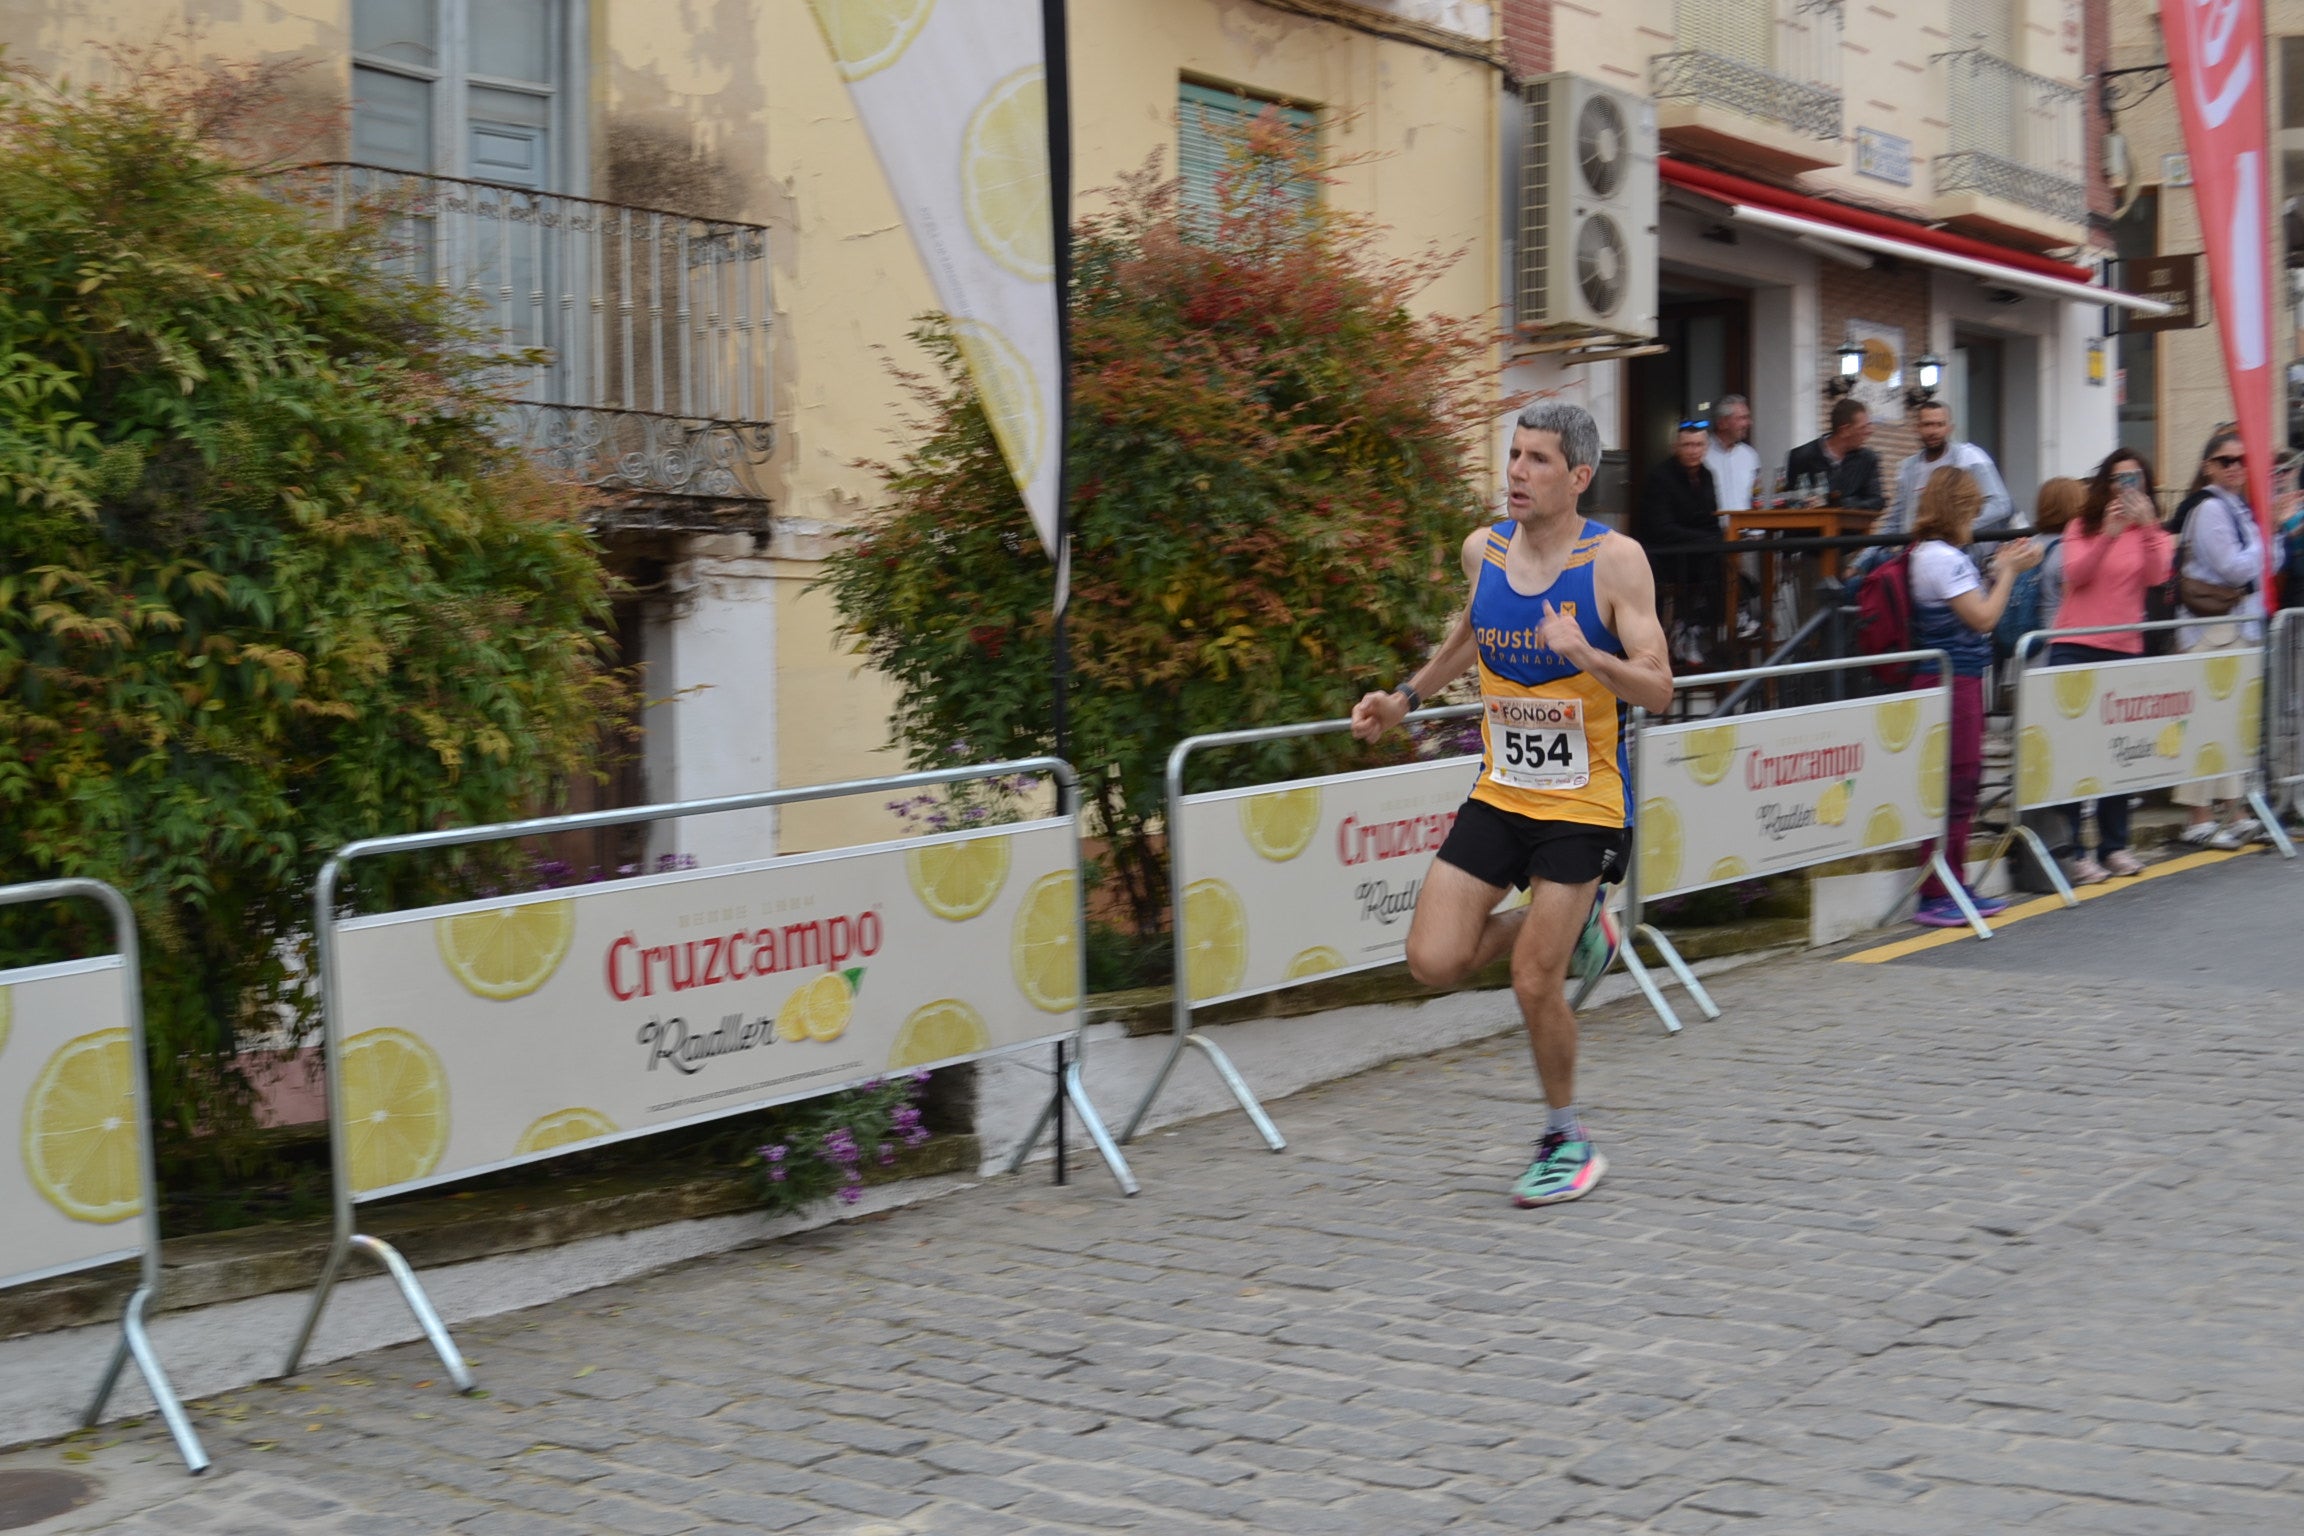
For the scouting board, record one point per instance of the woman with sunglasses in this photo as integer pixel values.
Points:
(2114, 551)
(2219, 574)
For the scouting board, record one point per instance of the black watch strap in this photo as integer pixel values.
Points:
(1415, 699)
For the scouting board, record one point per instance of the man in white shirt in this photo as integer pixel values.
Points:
(1734, 462)
(1937, 449)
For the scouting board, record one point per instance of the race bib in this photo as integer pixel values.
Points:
(1537, 743)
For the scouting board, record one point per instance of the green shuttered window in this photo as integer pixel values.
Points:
(1209, 119)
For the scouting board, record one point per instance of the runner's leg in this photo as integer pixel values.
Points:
(1457, 930)
(1555, 918)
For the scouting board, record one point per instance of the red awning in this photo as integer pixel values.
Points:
(1722, 187)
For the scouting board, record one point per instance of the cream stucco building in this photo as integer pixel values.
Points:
(678, 204)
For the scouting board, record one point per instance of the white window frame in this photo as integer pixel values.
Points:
(568, 141)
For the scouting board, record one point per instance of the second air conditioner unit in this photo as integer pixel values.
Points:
(1587, 232)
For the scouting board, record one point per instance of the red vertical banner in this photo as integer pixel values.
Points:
(2217, 57)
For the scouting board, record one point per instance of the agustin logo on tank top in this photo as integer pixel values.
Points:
(1554, 739)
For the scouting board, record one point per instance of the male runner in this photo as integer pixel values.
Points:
(1563, 624)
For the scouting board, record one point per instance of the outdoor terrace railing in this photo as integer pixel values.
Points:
(2015, 135)
(635, 343)
(1777, 61)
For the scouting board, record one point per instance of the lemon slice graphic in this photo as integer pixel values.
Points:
(507, 952)
(1044, 946)
(2211, 760)
(2251, 733)
(1314, 961)
(1883, 827)
(1216, 938)
(866, 36)
(958, 880)
(2035, 767)
(2088, 788)
(1280, 825)
(1004, 175)
(939, 1031)
(1711, 752)
(1660, 842)
(2223, 675)
(1729, 868)
(1895, 722)
(562, 1128)
(80, 1134)
(1935, 770)
(1832, 805)
(1011, 398)
(395, 1096)
(819, 1010)
(2075, 690)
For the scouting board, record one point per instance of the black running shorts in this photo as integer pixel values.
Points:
(1501, 848)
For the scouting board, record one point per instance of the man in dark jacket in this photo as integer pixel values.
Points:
(1850, 469)
(1680, 505)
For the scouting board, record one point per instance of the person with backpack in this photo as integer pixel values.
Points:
(2219, 582)
(1952, 611)
(2114, 552)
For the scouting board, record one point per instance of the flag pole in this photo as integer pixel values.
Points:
(1057, 62)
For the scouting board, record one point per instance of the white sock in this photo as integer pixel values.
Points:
(1564, 1122)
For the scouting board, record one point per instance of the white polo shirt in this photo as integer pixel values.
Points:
(1733, 471)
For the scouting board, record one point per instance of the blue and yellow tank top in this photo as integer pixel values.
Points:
(1553, 737)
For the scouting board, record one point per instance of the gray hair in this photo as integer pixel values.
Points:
(1579, 434)
(1731, 403)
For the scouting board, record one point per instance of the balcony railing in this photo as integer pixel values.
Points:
(635, 343)
(1777, 61)
(2015, 136)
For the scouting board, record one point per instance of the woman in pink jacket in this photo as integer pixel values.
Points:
(2112, 551)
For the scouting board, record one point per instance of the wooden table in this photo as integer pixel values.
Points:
(1809, 522)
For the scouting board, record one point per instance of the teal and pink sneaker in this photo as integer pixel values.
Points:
(1597, 945)
(1566, 1168)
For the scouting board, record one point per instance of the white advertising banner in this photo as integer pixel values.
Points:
(2129, 726)
(68, 1120)
(1286, 882)
(954, 98)
(1760, 794)
(495, 1032)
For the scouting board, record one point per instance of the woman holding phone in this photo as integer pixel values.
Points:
(2113, 552)
(2219, 584)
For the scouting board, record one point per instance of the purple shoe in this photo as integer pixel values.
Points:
(1988, 906)
(1940, 912)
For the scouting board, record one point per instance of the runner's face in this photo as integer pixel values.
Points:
(1538, 481)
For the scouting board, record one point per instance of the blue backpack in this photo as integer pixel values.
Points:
(2022, 615)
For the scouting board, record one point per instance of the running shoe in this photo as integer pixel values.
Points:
(1596, 947)
(1986, 906)
(2120, 864)
(1940, 912)
(2199, 833)
(2086, 871)
(1566, 1168)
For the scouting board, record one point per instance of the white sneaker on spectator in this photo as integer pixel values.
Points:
(2198, 833)
(2121, 864)
(2228, 838)
(2246, 828)
(2086, 871)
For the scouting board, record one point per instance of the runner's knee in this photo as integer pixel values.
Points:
(1437, 963)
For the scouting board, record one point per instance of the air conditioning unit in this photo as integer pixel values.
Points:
(1587, 211)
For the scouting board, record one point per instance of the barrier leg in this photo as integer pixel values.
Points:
(1075, 1087)
(1159, 1081)
(1240, 1091)
(2048, 863)
(2272, 828)
(1688, 981)
(419, 1305)
(1960, 897)
(134, 1341)
(1647, 984)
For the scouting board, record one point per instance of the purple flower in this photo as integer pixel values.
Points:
(887, 1153)
(775, 1175)
(851, 1193)
(920, 1078)
(774, 1154)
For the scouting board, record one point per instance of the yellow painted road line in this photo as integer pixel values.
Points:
(1899, 948)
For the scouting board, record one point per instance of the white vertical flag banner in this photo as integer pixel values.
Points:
(953, 94)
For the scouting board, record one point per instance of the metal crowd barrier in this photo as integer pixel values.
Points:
(378, 967)
(1758, 849)
(47, 1011)
(2283, 747)
(1324, 952)
(2046, 712)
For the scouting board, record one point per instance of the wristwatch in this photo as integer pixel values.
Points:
(1415, 699)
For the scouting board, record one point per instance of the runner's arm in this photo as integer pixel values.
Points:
(1377, 713)
(1627, 592)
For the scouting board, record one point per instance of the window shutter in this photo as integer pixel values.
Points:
(1208, 120)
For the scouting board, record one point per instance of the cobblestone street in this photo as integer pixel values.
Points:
(1915, 1247)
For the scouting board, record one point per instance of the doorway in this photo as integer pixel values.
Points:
(1975, 387)
(1707, 331)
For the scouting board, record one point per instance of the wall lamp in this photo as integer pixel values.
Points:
(1851, 368)
(1931, 373)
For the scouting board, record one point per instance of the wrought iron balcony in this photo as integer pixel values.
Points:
(2016, 136)
(635, 342)
(1775, 61)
